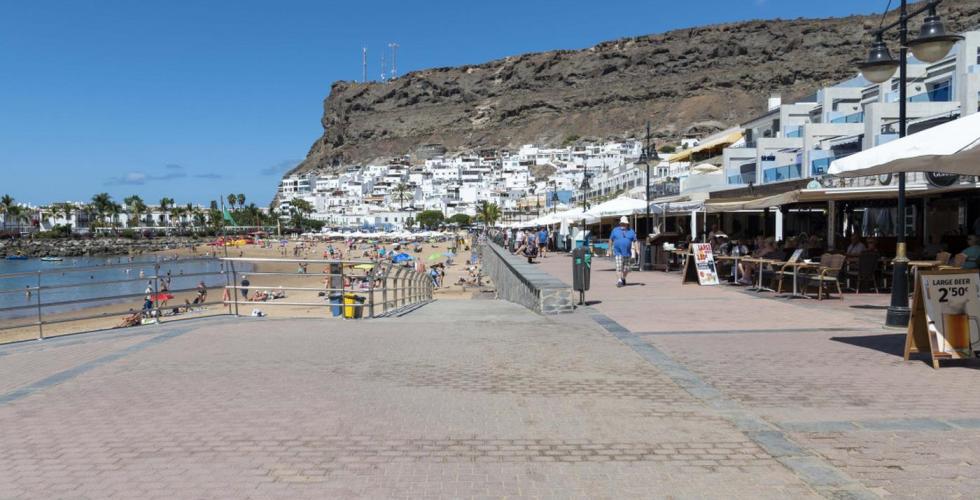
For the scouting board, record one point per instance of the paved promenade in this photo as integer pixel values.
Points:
(484, 399)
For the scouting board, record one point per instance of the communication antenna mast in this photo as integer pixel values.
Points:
(363, 64)
(382, 66)
(394, 59)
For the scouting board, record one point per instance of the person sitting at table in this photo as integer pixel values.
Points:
(856, 247)
(872, 246)
(767, 250)
(972, 252)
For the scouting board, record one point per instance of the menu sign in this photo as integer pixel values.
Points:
(704, 262)
(945, 316)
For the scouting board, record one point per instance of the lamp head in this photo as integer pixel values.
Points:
(933, 44)
(880, 66)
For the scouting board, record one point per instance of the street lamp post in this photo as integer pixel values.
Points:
(930, 46)
(647, 156)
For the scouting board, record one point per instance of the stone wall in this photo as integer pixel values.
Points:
(522, 283)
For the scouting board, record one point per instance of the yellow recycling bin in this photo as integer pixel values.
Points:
(353, 306)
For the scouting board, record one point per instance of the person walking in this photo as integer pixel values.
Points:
(244, 287)
(622, 241)
(542, 241)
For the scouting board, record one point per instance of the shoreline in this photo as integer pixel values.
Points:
(111, 315)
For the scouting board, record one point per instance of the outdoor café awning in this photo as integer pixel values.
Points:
(953, 147)
(776, 200)
(618, 206)
(721, 141)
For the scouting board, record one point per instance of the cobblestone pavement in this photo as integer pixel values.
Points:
(825, 375)
(458, 399)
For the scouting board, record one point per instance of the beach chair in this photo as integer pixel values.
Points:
(828, 275)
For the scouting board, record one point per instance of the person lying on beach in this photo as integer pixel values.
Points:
(260, 296)
(134, 319)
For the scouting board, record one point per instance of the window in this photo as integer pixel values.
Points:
(978, 55)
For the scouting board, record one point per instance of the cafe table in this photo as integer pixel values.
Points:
(796, 275)
(761, 262)
(734, 259)
(916, 265)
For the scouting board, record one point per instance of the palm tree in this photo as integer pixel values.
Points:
(177, 215)
(114, 209)
(199, 219)
(300, 207)
(232, 199)
(6, 204)
(165, 205)
(488, 212)
(135, 206)
(241, 200)
(401, 194)
(100, 204)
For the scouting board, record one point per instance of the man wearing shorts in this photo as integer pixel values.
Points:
(621, 242)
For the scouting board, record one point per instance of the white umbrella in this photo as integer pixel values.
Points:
(949, 148)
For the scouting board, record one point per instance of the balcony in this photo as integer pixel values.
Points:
(784, 173)
(852, 118)
(819, 167)
(741, 179)
(941, 94)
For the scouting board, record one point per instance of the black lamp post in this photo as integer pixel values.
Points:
(647, 156)
(930, 46)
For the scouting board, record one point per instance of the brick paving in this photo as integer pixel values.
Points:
(826, 374)
(458, 399)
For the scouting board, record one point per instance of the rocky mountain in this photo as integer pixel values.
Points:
(696, 79)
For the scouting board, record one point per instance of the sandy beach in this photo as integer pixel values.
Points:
(110, 316)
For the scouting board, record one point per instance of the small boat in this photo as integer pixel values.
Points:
(16, 257)
(51, 259)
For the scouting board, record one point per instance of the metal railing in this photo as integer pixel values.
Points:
(386, 289)
(398, 286)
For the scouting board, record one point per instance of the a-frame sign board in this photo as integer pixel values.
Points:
(690, 273)
(950, 297)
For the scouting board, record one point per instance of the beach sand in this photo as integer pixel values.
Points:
(109, 316)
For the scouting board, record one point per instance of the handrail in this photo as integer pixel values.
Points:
(397, 287)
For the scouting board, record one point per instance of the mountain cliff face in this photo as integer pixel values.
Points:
(697, 79)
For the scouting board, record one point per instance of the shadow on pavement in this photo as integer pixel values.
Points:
(889, 343)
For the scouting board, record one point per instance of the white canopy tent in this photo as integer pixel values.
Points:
(949, 148)
(617, 207)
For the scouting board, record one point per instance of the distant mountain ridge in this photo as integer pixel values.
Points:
(703, 78)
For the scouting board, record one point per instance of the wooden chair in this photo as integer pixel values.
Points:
(865, 271)
(959, 260)
(943, 258)
(829, 274)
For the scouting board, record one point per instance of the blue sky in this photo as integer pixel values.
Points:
(195, 99)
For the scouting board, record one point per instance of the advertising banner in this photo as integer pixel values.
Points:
(704, 261)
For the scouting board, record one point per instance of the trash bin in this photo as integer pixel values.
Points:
(336, 304)
(581, 269)
(352, 311)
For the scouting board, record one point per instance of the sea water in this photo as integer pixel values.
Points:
(76, 278)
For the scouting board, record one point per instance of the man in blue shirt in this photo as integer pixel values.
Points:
(542, 241)
(622, 241)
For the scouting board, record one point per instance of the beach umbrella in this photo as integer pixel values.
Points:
(402, 257)
(364, 266)
(435, 256)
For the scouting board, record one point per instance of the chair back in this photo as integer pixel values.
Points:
(825, 259)
(837, 261)
(943, 258)
(959, 260)
(868, 264)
